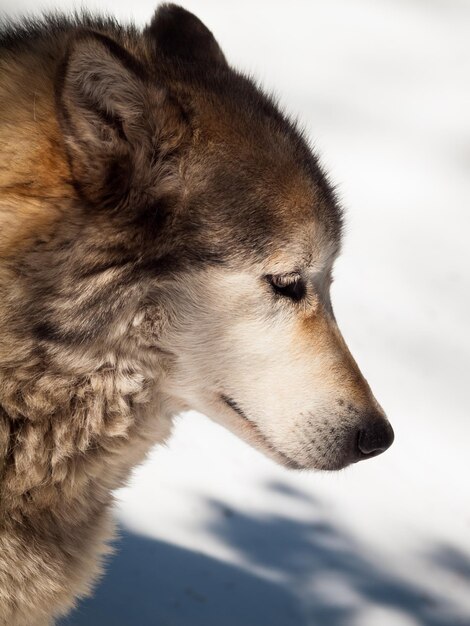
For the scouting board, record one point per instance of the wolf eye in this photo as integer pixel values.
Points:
(287, 285)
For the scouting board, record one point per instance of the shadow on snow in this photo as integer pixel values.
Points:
(295, 573)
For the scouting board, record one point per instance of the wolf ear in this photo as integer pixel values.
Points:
(180, 35)
(116, 124)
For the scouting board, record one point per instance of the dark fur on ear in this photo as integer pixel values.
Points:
(180, 35)
(117, 125)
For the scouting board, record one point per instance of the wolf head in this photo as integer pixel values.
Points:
(200, 233)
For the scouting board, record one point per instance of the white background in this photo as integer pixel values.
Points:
(213, 533)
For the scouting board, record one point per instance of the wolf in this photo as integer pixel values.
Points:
(167, 239)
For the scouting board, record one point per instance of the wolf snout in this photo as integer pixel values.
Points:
(374, 437)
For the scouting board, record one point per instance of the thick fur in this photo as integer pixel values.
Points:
(166, 242)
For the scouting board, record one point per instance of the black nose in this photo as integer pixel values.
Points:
(375, 438)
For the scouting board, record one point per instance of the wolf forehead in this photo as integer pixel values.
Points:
(253, 168)
(244, 166)
(258, 174)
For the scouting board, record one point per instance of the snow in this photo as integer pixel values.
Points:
(213, 533)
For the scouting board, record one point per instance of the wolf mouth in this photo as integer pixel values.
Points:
(233, 405)
(236, 407)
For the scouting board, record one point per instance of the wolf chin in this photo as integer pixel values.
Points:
(167, 239)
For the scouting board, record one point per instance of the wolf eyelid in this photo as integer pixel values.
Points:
(290, 286)
(285, 279)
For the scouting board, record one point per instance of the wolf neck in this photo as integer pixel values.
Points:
(34, 176)
(65, 436)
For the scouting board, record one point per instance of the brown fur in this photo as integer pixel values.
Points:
(133, 164)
